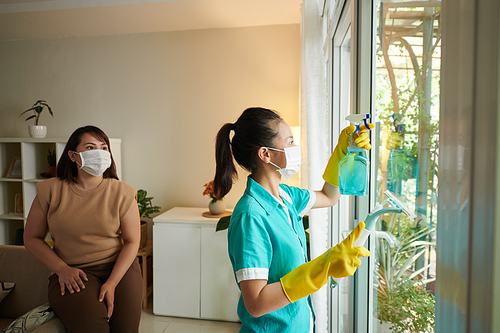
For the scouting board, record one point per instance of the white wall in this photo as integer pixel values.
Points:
(164, 94)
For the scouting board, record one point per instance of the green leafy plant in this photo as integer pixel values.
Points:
(51, 157)
(145, 204)
(408, 307)
(37, 109)
(401, 296)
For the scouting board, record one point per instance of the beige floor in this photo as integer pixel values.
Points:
(159, 324)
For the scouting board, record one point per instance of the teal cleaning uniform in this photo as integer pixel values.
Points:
(266, 240)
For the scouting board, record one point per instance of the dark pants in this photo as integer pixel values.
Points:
(82, 311)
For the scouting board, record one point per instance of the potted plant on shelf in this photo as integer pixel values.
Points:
(51, 159)
(145, 208)
(37, 131)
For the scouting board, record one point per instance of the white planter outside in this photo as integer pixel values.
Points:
(37, 131)
(383, 327)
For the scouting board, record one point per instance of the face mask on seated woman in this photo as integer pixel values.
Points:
(95, 161)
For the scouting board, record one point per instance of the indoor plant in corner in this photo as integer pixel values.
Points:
(37, 131)
(145, 208)
(51, 160)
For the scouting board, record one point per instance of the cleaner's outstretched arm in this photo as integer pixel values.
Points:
(338, 261)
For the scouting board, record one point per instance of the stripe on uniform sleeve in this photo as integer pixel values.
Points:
(255, 273)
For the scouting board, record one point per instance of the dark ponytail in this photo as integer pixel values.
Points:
(225, 170)
(255, 128)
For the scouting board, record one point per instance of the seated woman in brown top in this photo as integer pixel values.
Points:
(94, 221)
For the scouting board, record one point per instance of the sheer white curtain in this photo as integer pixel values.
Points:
(315, 120)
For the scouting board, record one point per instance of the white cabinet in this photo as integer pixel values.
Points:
(192, 274)
(33, 161)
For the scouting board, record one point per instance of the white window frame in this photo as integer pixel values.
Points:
(358, 16)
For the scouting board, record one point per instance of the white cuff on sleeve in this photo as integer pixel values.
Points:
(252, 274)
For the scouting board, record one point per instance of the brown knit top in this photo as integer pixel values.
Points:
(85, 225)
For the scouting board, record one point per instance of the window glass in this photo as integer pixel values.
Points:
(341, 316)
(407, 110)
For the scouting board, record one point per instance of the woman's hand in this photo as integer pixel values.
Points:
(331, 174)
(71, 278)
(108, 293)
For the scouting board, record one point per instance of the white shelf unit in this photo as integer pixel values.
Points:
(33, 154)
(192, 274)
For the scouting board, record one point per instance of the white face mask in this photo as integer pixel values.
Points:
(95, 161)
(293, 161)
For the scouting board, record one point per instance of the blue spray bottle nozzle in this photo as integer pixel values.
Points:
(357, 119)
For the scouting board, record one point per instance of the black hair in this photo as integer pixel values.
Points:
(67, 169)
(255, 128)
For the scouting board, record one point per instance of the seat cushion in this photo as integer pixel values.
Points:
(54, 325)
(31, 320)
(5, 289)
(30, 277)
(4, 322)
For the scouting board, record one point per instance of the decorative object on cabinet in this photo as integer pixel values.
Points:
(217, 207)
(145, 208)
(15, 169)
(192, 273)
(37, 131)
(218, 216)
(32, 156)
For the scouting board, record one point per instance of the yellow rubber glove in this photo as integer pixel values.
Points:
(338, 261)
(331, 174)
(394, 140)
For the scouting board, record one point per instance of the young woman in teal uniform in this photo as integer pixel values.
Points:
(266, 237)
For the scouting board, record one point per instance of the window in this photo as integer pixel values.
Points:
(406, 109)
(398, 83)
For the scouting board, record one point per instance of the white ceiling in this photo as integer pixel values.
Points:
(22, 19)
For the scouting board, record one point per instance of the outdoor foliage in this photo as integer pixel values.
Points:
(403, 300)
(408, 307)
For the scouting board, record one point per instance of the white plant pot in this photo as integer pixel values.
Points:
(217, 208)
(37, 131)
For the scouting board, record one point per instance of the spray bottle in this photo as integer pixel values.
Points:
(354, 168)
(401, 164)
